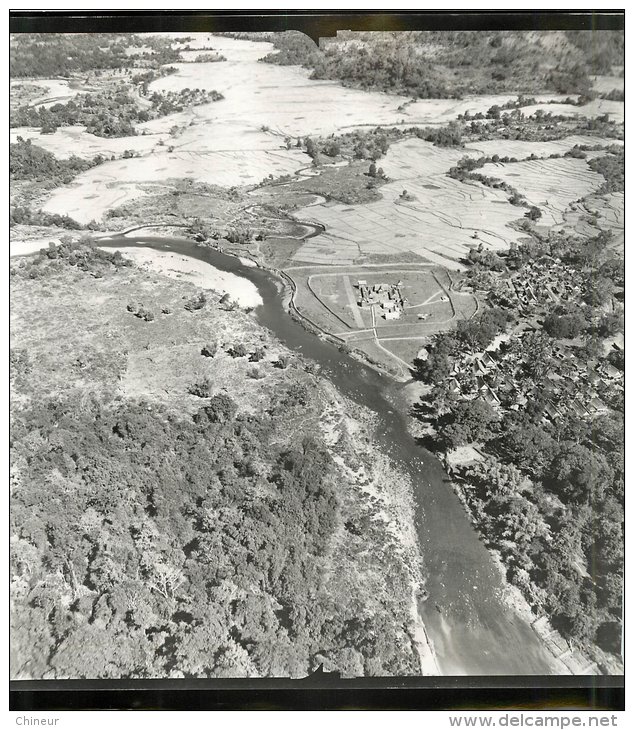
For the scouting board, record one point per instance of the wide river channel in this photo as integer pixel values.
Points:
(472, 628)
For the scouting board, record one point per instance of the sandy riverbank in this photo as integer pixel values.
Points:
(166, 263)
(31, 246)
(197, 272)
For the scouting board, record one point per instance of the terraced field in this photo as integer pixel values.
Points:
(53, 90)
(438, 223)
(441, 111)
(444, 216)
(551, 185)
(522, 149)
(118, 182)
(67, 141)
(594, 108)
(598, 213)
(240, 141)
(606, 84)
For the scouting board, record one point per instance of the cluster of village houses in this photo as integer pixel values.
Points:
(572, 384)
(495, 376)
(389, 297)
(538, 283)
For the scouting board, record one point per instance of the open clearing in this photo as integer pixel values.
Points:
(424, 293)
(88, 338)
(240, 141)
(300, 106)
(328, 297)
(67, 141)
(606, 84)
(32, 245)
(598, 213)
(55, 90)
(440, 222)
(441, 111)
(116, 183)
(522, 149)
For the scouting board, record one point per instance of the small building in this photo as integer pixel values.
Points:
(551, 411)
(610, 371)
(392, 314)
(578, 409)
(454, 385)
(489, 396)
(596, 405)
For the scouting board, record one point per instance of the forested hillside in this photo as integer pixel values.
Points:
(210, 535)
(439, 64)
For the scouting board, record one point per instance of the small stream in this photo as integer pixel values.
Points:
(473, 630)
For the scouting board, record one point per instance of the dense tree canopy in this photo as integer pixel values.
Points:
(28, 161)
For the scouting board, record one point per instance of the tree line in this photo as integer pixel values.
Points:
(109, 113)
(28, 161)
(63, 54)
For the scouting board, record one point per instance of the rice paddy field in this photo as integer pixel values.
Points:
(522, 149)
(441, 111)
(298, 107)
(50, 91)
(121, 181)
(597, 107)
(421, 215)
(411, 230)
(438, 222)
(595, 214)
(67, 141)
(444, 216)
(240, 141)
(606, 84)
(551, 185)
(87, 200)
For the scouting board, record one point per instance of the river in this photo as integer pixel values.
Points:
(472, 628)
